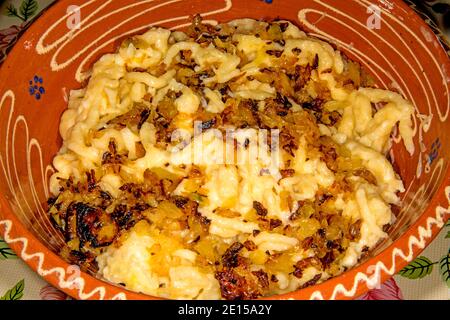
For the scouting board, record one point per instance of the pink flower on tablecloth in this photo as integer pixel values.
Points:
(388, 291)
(8, 38)
(51, 293)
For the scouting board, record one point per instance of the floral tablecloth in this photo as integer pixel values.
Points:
(423, 279)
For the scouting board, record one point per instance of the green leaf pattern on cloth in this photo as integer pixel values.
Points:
(444, 266)
(5, 251)
(422, 266)
(27, 9)
(11, 11)
(419, 268)
(16, 292)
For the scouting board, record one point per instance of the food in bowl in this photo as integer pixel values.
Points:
(233, 161)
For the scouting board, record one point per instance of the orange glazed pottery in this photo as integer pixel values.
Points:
(55, 54)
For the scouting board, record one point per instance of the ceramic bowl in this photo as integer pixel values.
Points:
(54, 56)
